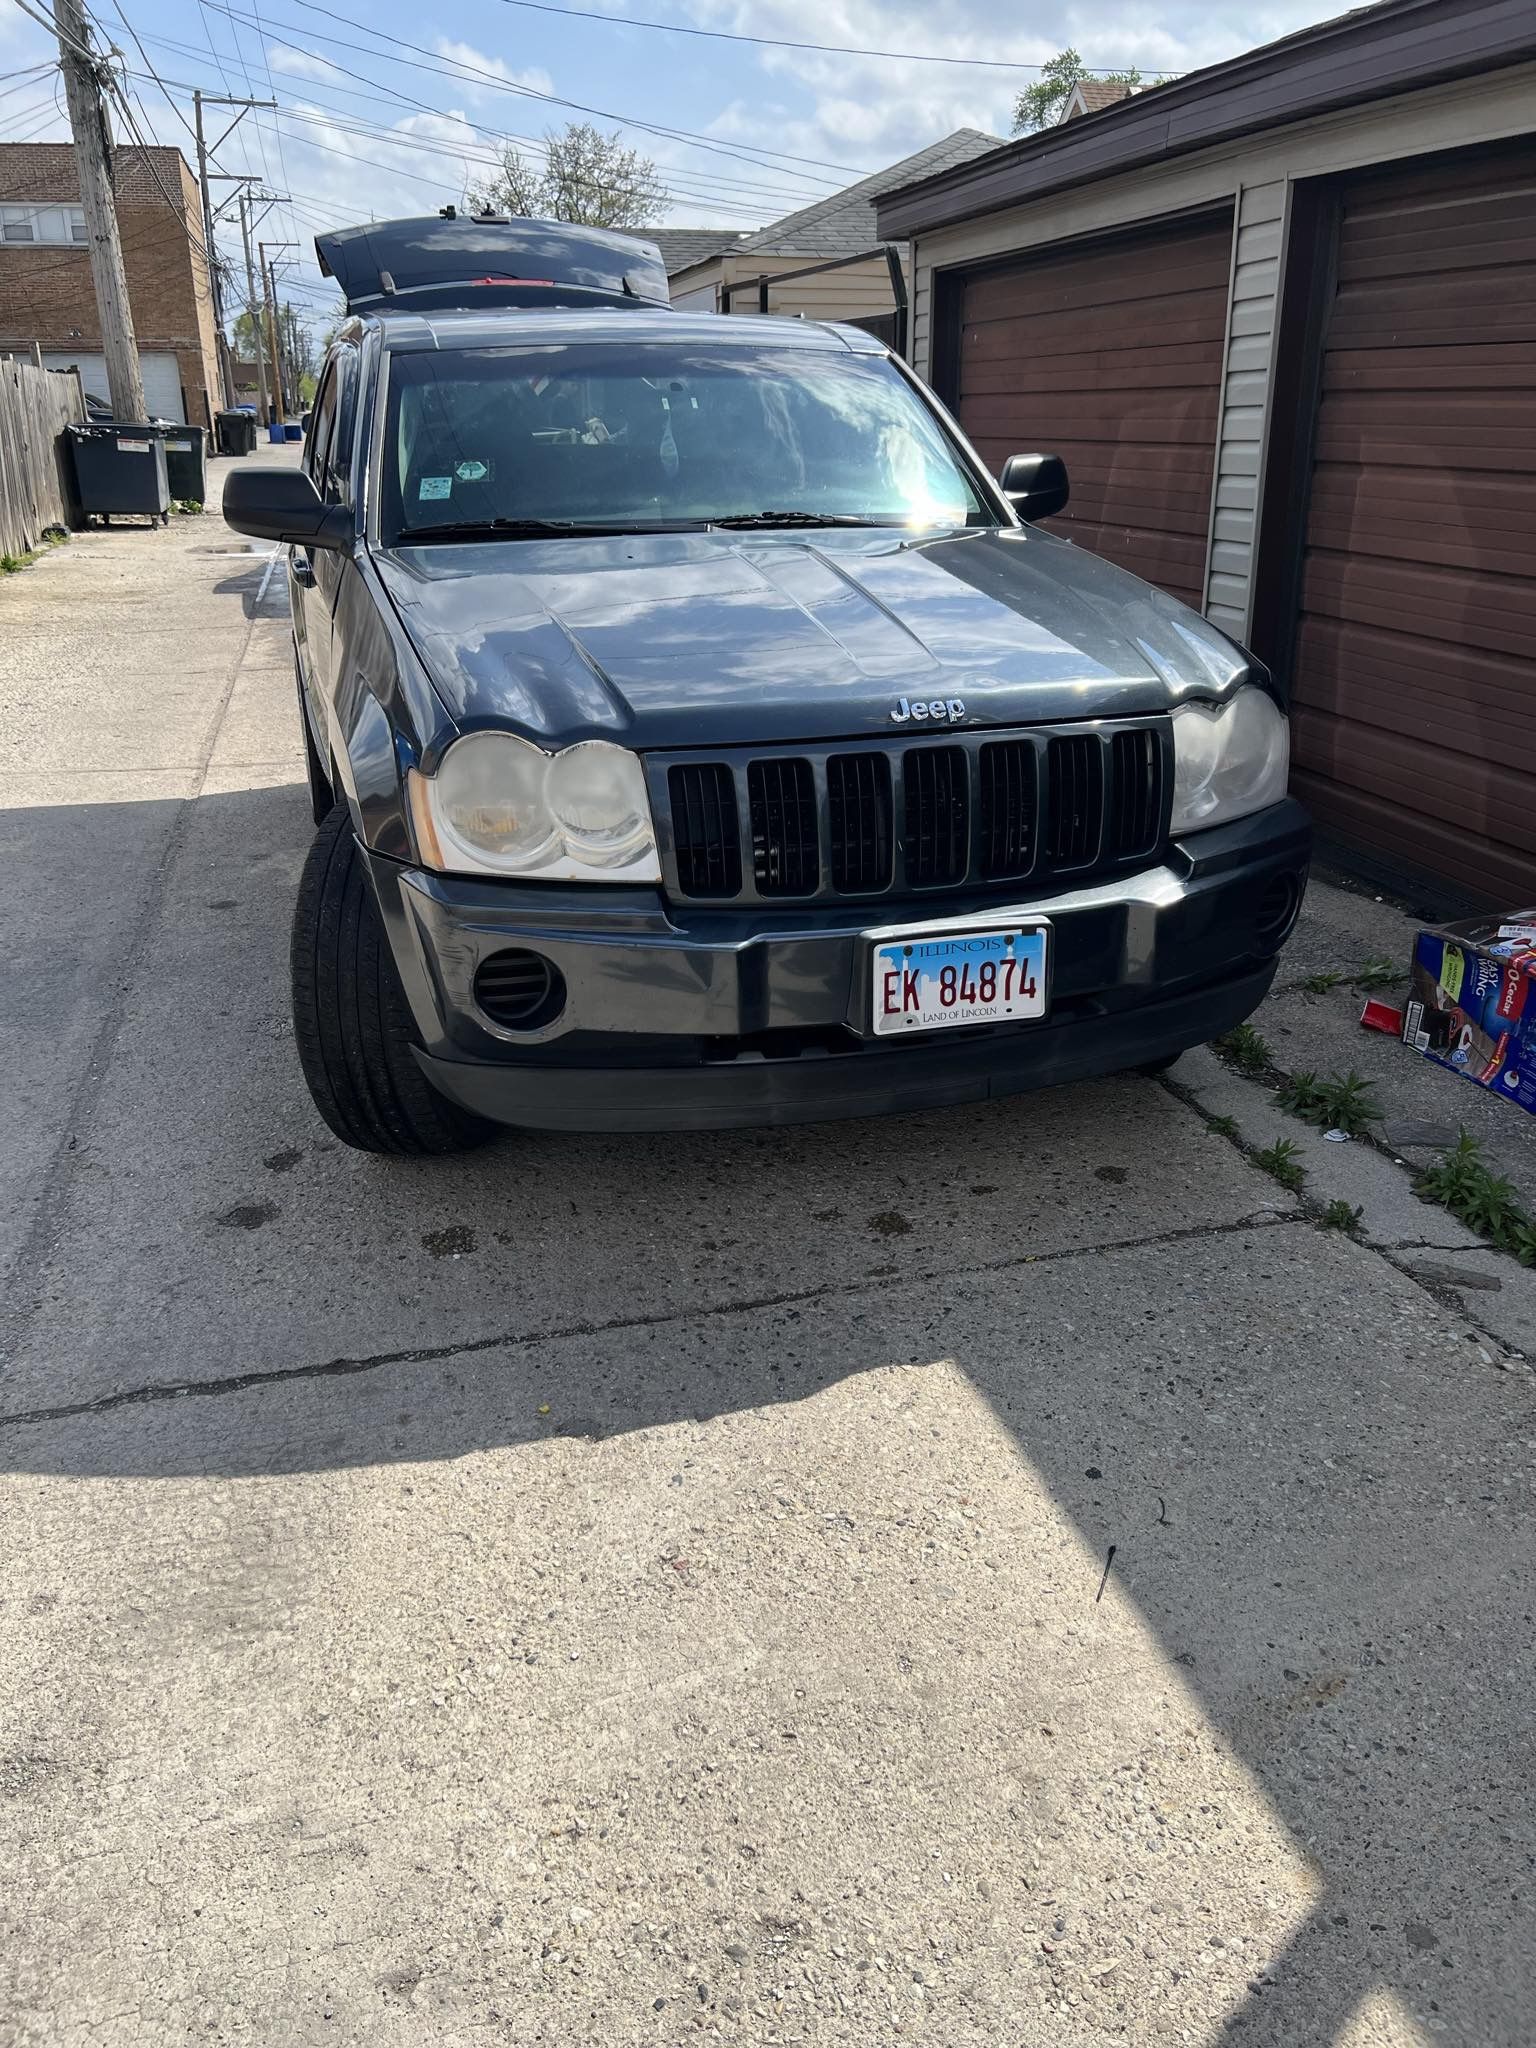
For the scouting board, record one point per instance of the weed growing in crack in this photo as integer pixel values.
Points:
(1282, 1161)
(1340, 1216)
(1486, 1202)
(1319, 984)
(1379, 973)
(1223, 1126)
(1339, 1102)
(1244, 1048)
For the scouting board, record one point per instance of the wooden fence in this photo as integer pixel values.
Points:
(35, 407)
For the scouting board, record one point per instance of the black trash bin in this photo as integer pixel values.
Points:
(120, 468)
(236, 431)
(186, 472)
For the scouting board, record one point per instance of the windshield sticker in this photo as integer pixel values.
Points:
(472, 472)
(435, 487)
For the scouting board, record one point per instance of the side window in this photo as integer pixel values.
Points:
(321, 421)
(336, 485)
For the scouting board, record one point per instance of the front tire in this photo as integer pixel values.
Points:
(350, 1017)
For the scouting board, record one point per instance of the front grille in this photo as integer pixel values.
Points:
(871, 818)
(786, 846)
(937, 842)
(704, 828)
(859, 822)
(1075, 772)
(1007, 809)
(1138, 788)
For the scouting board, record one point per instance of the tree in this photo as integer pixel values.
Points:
(587, 178)
(298, 342)
(298, 345)
(1039, 106)
(335, 320)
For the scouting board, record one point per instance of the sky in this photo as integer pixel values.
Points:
(402, 115)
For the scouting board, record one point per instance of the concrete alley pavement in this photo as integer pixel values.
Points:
(624, 1591)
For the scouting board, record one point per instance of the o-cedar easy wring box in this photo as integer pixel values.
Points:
(1472, 1002)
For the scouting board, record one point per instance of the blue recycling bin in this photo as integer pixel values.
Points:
(277, 433)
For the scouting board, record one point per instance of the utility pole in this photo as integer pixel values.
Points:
(225, 374)
(264, 412)
(204, 150)
(283, 381)
(88, 124)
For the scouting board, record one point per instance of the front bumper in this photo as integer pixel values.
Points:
(698, 1019)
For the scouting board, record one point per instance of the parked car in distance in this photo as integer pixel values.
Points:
(698, 735)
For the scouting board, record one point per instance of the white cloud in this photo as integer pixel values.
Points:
(533, 80)
(871, 111)
(302, 63)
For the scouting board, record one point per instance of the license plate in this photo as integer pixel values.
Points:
(927, 981)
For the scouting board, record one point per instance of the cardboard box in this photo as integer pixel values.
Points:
(1472, 1002)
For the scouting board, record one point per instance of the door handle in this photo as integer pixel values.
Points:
(303, 569)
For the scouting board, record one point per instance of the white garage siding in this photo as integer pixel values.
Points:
(161, 374)
(1258, 176)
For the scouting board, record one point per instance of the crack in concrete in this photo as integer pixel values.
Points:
(1393, 1255)
(436, 1354)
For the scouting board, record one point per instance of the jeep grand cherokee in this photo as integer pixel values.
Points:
(698, 735)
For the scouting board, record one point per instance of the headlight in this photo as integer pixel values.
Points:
(1229, 759)
(501, 806)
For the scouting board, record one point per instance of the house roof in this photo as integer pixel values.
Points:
(1369, 54)
(845, 224)
(1093, 95)
(681, 248)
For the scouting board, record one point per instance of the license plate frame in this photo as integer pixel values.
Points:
(890, 949)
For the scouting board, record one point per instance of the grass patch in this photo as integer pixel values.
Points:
(1486, 1202)
(1340, 1102)
(9, 564)
(1282, 1162)
(1340, 1216)
(1379, 974)
(1245, 1049)
(1223, 1126)
(1319, 984)
(188, 505)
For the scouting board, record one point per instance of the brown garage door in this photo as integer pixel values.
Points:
(1109, 354)
(1415, 672)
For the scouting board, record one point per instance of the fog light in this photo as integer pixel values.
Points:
(519, 990)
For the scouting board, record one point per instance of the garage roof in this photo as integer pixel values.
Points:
(844, 224)
(1369, 54)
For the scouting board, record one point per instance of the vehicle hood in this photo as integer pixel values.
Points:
(708, 639)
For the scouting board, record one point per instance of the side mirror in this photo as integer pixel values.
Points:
(1035, 485)
(283, 505)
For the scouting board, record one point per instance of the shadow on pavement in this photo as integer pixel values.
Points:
(1319, 1504)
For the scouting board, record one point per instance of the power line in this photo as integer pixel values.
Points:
(683, 182)
(736, 193)
(720, 35)
(454, 69)
(127, 24)
(27, 113)
(44, 19)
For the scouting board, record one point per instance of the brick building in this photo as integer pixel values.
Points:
(46, 294)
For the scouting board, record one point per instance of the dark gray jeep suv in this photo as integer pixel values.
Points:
(699, 735)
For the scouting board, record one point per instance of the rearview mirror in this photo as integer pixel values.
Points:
(1035, 485)
(283, 505)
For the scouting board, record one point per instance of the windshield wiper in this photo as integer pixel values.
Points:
(802, 519)
(533, 529)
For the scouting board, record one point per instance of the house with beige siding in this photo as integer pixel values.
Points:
(1279, 318)
(827, 260)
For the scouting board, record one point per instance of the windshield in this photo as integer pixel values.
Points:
(613, 438)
